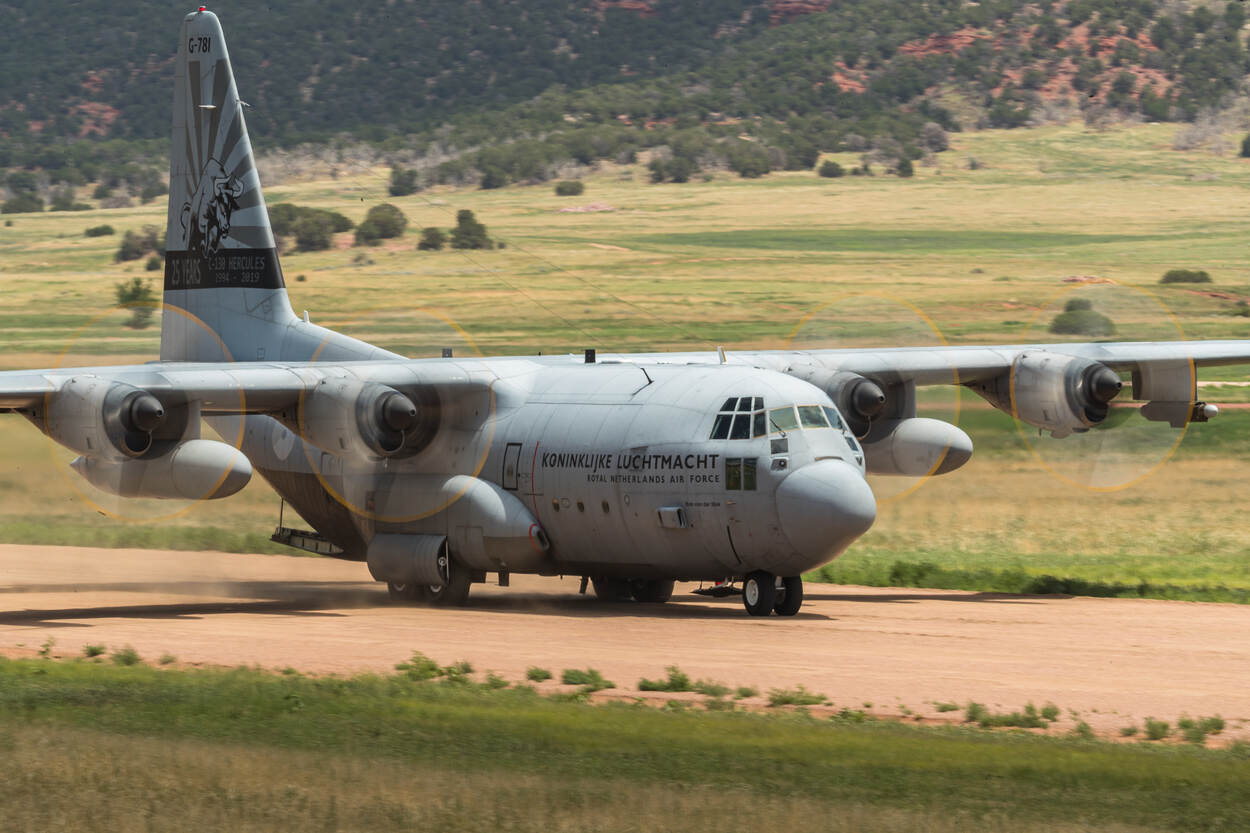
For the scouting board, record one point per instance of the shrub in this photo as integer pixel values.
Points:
(1245, 147)
(719, 704)
(102, 191)
(537, 675)
(154, 263)
(934, 137)
(63, 200)
(420, 667)
(493, 680)
(314, 232)
(23, 203)
(711, 688)
(794, 697)
(469, 233)
(1083, 731)
(285, 217)
(403, 182)
(138, 297)
(677, 680)
(382, 222)
(831, 169)
(748, 159)
(745, 691)
(1050, 712)
(167, 659)
(975, 712)
(1157, 729)
(99, 231)
(905, 168)
(126, 656)
(152, 190)
(1128, 731)
(432, 239)
(570, 188)
(1078, 318)
(132, 247)
(1185, 276)
(677, 169)
(947, 707)
(589, 679)
(90, 651)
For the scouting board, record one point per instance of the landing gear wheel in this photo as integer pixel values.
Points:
(656, 592)
(759, 593)
(456, 591)
(612, 589)
(405, 592)
(790, 597)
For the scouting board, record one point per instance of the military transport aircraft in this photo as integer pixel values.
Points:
(631, 471)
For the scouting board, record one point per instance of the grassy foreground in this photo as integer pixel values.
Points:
(97, 747)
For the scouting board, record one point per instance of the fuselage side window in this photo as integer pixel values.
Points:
(748, 474)
(733, 473)
(812, 416)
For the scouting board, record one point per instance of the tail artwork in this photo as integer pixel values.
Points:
(225, 298)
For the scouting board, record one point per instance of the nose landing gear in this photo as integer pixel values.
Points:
(763, 593)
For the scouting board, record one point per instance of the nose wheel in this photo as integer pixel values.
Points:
(763, 593)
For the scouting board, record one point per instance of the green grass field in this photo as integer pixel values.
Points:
(965, 256)
(92, 746)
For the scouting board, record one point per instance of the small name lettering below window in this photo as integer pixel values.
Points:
(740, 474)
(741, 418)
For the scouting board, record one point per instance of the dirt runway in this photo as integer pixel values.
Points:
(1115, 661)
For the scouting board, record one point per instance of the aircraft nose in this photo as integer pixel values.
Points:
(823, 507)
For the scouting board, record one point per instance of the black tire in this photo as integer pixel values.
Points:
(405, 593)
(790, 598)
(759, 593)
(456, 592)
(612, 589)
(654, 592)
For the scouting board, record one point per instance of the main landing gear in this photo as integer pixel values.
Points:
(452, 594)
(763, 593)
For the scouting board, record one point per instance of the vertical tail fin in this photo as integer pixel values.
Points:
(224, 294)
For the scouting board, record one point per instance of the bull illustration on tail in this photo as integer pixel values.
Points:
(206, 215)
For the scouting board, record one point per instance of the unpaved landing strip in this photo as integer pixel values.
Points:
(1116, 661)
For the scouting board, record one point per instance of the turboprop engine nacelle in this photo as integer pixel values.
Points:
(1057, 393)
(916, 447)
(194, 470)
(111, 421)
(348, 417)
(860, 400)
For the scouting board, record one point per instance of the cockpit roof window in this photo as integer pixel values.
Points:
(812, 416)
(740, 418)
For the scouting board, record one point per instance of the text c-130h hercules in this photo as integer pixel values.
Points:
(634, 470)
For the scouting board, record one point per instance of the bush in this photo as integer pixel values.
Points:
(90, 651)
(677, 680)
(1185, 276)
(403, 182)
(432, 239)
(99, 231)
(831, 169)
(63, 200)
(102, 191)
(711, 688)
(23, 203)
(1078, 318)
(537, 675)
(677, 169)
(794, 697)
(1245, 147)
(314, 232)
(284, 217)
(744, 691)
(154, 263)
(570, 188)
(589, 679)
(905, 168)
(420, 667)
(1157, 729)
(469, 233)
(136, 296)
(127, 656)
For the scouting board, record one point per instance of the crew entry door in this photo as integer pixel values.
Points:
(511, 465)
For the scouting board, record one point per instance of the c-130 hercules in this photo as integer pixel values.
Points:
(633, 471)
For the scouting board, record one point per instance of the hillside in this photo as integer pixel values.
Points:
(503, 90)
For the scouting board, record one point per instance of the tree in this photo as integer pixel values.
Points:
(314, 232)
(138, 297)
(22, 203)
(570, 188)
(748, 159)
(1079, 318)
(905, 168)
(1245, 147)
(432, 239)
(383, 221)
(934, 137)
(469, 233)
(403, 181)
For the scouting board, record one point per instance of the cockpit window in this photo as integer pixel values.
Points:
(741, 418)
(835, 419)
(783, 419)
(812, 416)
